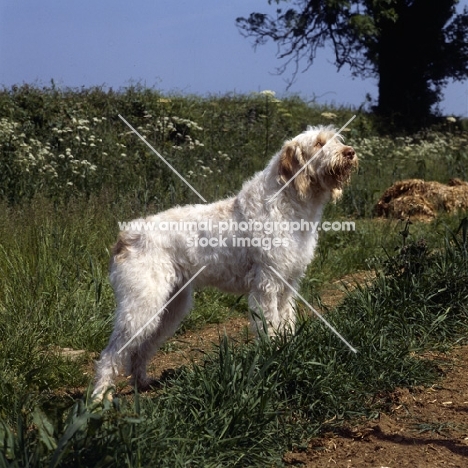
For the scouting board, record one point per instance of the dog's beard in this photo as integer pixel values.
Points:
(338, 172)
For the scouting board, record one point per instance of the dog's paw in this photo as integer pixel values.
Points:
(102, 394)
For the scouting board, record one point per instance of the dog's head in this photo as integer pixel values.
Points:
(316, 161)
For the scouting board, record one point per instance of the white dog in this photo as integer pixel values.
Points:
(247, 244)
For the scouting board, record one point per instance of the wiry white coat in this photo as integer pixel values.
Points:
(150, 267)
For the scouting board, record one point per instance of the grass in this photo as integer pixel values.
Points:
(70, 170)
(66, 144)
(247, 404)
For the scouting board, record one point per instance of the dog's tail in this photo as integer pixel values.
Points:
(127, 241)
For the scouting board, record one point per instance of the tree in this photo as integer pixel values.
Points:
(414, 47)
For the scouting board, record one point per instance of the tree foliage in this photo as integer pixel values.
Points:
(413, 46)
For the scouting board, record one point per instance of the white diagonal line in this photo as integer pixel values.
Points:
(142, 138)
(354, 350)
(310, 160)
(160, 310)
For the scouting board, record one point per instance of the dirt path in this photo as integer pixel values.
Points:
(423, 428)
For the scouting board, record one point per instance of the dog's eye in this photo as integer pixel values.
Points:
(319, 144)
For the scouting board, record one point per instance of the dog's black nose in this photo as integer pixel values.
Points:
(349, 153)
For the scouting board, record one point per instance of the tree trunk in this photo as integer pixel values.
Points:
(408, 53)
(401, 80)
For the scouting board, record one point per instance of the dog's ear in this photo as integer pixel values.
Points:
(291, 161)
(288, 163)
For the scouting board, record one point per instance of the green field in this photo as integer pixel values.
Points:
(70, 169)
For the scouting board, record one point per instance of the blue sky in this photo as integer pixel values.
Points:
(184, 46)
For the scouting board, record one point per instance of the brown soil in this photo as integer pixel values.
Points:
(422, 427)
(191, 346)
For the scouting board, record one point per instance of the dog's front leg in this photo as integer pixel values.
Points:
(263, 311)
(286, 311)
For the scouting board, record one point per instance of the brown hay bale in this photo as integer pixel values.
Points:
(418, 199)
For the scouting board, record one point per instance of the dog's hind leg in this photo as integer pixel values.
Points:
(141, 293)
(180, 303)
(111, 361)
(139, 330)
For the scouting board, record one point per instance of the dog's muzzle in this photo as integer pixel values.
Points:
(349, 153)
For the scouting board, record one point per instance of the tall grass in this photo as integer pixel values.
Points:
(67, 143)
(54, 294)
(244, 405)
